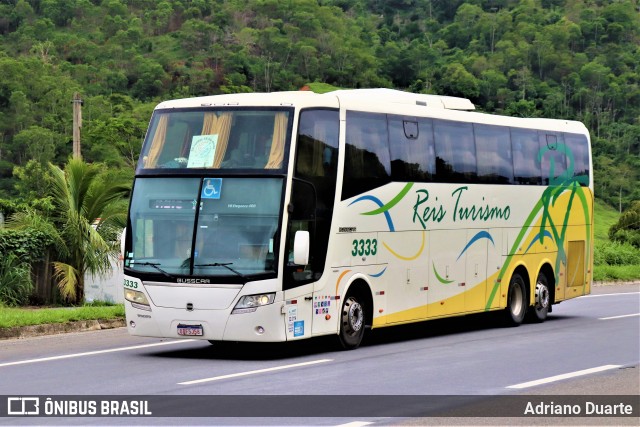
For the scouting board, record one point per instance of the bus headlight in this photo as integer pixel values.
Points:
(250, 303)
(137, 299)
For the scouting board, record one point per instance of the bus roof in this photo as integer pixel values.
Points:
(382, 96)
(400, 97)
(376, 100)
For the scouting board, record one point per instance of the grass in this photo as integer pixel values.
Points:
(605, 217)
(318, 87)
(12, 317)
(609, 273)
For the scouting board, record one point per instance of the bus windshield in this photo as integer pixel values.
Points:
(204, 226)
(216, 139)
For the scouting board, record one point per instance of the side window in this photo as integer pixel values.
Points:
(455, 151)
(554, 161)
(493, 148)
(412, 149)
(578, 157)
(367, 162)
(317, 153)
(525, 147)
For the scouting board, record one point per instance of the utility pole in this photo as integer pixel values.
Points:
(77, 124)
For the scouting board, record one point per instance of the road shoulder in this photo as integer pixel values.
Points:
(60, 328)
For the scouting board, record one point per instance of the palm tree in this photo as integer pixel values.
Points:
(90, 212)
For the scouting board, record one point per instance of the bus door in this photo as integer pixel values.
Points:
(313, 191)
(298, 279)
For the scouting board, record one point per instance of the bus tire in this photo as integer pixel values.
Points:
(219, 345)
(516, 301)
(539, 310)
(352, 322)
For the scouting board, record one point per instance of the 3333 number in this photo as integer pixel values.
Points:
(364, 247)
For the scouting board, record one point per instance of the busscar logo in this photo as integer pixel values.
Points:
(23, 406)
(194, 281)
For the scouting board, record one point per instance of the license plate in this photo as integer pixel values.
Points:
(190, 330)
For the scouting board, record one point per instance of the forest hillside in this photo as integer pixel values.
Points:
(574, 59)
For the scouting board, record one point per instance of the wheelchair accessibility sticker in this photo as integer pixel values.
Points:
(211, 188)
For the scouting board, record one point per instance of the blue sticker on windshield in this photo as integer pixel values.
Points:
(212, 188)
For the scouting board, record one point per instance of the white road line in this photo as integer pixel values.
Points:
(619, 317)
(610, 295)
(355, 424)
(564, 376)
(258, 371)
(92, 353)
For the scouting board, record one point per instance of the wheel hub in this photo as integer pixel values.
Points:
(542, 296)
(355, 317)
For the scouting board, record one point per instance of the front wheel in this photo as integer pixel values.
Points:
(538, 312)
(352, 322)
(516, 301)
(221, 345)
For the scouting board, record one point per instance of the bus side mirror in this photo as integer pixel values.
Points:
(123, 237)
(301, 248)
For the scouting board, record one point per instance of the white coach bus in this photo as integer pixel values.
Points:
(283, 216)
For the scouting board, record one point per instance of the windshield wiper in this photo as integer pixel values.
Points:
(155, 265)
(222, 264)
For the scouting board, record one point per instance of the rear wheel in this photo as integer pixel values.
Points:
(352, 322)
(538, 312)
(516, 301)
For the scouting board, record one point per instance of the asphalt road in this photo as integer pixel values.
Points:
(588, 346)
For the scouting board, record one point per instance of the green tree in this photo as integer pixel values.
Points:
(90, 211)
(490, 85)
(59, 11)
(35, 143)
(158, 17)
(116, 141)
(33, 180)
(20, 106)
(457, 81)
(627, 229)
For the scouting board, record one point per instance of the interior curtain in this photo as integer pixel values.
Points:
(276, 155)
(354, 154)
(320, 134)
(222, 127)
(157, 144)
(209, 123)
